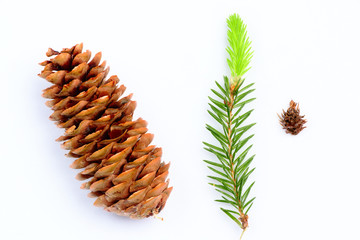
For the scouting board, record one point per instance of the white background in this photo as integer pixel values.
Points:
(169, 53)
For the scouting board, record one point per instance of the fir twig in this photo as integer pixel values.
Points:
(232, 170)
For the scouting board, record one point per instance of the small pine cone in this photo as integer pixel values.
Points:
(291, 120)
(123, 171)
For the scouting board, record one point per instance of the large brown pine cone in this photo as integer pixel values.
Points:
(123, 171)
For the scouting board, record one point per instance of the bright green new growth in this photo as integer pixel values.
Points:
(233, 169)
(239, 48)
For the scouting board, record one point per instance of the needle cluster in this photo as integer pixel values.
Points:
(239, 48)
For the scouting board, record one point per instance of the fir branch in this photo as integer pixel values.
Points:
(233, 169)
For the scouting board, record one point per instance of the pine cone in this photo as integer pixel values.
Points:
(123, 171)
(291, 120)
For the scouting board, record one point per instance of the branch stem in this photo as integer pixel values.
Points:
(243, 217)
(242, 234)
